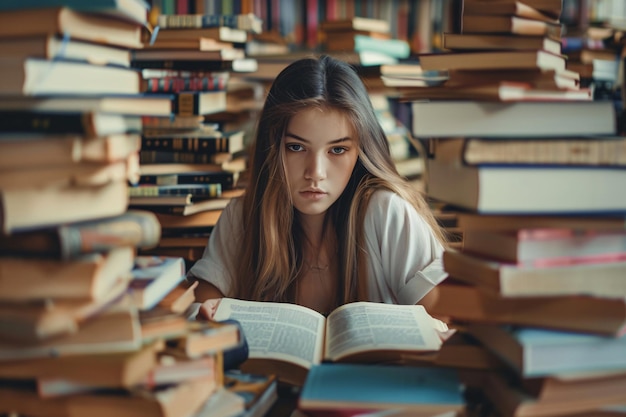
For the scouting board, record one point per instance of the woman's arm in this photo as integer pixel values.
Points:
(205, 291)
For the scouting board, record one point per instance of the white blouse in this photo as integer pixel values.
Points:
(404, 255)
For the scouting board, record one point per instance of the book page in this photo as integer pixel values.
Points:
(365, 326)
(282, 331)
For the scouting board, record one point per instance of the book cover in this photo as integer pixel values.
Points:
(153, 277)
(354, 388)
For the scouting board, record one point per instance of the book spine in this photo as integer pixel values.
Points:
(177, 65)
(179, 84)
(203, 145)
(226, 179)
(247, 22)
(39, 122)
(208, 190)
(175, 157)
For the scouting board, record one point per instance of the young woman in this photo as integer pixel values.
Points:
(325, 218)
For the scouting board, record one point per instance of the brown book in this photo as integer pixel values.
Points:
(204, 337)
(510, 280)
(221, 34)
(64, 78)
(198, 44)
(549, 7)
(506, 8)
(502, 91)
(52, 46)
(182, 399)
(22, 208)
(493, 60)
(90, 276)
(401, 330)
(476, 221)
(125, 369)
(84, 26)
(222, 54)
(356, 23)
(537, 78)
(137, 105)
(203, 218)
(40, 320)
(477, 41)
(508, 24)
(466, 303)
(115, 329)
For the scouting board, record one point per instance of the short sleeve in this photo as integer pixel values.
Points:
(405, 256)
(217, 263)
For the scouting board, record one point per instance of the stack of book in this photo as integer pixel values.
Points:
(538, 281)
(366, 41)
(191, 163)
(506, 51)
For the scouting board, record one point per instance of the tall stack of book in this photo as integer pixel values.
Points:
(539, 279)
(191, 164)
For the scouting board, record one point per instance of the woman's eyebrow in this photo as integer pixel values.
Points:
(344, 139)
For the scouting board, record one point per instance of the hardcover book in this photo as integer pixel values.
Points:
(303, 337)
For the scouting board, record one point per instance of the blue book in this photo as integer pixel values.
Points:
(135, 10)
(350, 389)
(534, 352)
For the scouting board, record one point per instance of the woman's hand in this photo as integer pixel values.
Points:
(208, 308)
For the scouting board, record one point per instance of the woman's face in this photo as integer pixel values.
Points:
(320, 154)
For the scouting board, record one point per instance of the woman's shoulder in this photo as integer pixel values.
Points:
(383, 200)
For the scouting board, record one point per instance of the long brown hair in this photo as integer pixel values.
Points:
(270, 256)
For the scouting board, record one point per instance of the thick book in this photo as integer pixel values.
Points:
(476, 41)
(396, 48)
(432, 119)
(493, 60)
(359, 389)
(183, 157)
(526, 189)
(546, 246)
(227, 179)
(511, 280)
(202, 142)
(134, 10)
(248, 22)
(506, 8)
(582, 313)
(549, 7)
(55, 47)
(38, 320)
(211, 204)
(90, 276)
(534, 352)
(61, 20)
(119, 369)
(65, 152)
(182, 399)
(87, 124)
(135, 228)
(207, 218)
(29, 208)
(243, 65)
(223, 54)
(208, 190)
(198, 103)
(34, 76)
(153, 277)
(593, 150)
(476, 221)
(502, 91)
(302, 337)
(134, 104)
(221, 33)
(114, 330)
(356, 23)
(587, 396)
(513, 25)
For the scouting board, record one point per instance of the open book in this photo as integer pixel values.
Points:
(287, 339)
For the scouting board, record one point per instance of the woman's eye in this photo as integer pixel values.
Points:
(338, 150)
(295, 147)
